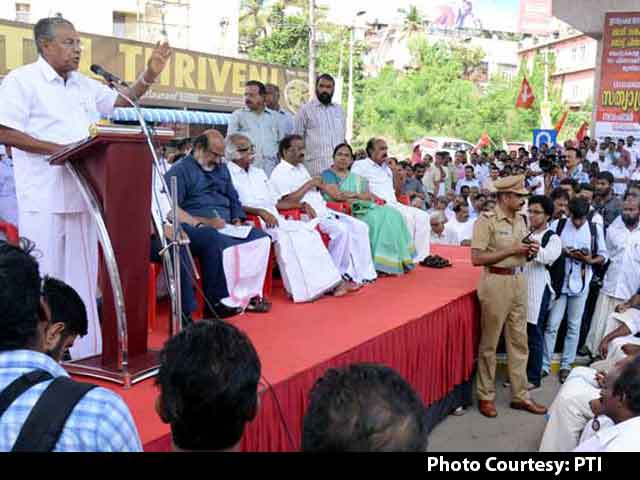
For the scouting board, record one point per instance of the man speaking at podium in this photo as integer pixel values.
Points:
(43, 107)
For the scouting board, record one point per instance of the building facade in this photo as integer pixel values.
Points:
(200, 25)
(575, 72)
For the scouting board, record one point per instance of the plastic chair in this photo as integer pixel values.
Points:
(11, 232)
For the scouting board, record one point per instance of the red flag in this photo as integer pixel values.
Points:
(484, 140)
(526, 96)
(582, 132)
(560, 123)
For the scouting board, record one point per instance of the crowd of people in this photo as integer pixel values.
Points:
(554, 229)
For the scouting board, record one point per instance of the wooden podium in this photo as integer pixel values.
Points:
(113, 169)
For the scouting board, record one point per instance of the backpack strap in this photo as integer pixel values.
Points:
(561, 224)
(547, 237)
(19, 386)
(43, 427)
(594, 238)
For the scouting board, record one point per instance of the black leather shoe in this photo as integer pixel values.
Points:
(222, 311)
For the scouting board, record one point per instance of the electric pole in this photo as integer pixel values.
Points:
(312, 48)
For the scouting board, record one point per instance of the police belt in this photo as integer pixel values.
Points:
(505, 271)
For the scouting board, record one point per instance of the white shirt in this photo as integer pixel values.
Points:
(574, 284)
(623, 437)
(482, 172)
(537, 274)
(464, 231)
(593, 156)
(623, 276)
(36, 101)
(447, 237)
(254, 188)
(538, 179)
(380, 178)
(467, 183)
(287, 179)
(619, 173)
(8, 199)
(596, 218)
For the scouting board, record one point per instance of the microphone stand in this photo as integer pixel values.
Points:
(172, 268)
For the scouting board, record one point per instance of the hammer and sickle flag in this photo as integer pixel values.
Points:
(526, 96)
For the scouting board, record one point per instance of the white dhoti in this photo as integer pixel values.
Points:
(349, 246)
(67, 249)
(605, 306)
(245, 267)
(306, 266)
(570, 411)
(419, 225)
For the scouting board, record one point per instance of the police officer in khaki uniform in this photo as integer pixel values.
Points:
(498, 246)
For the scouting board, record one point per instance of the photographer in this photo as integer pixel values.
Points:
(583, 246)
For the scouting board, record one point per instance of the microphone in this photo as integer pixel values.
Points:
(109, 77)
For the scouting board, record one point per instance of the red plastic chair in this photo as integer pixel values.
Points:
(404, 199)
(296, 214)
(341, 207)
(11, 232)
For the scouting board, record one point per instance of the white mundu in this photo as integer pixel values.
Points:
(380, 180)
(306, 266)
(349, 245)
(52, 212)
(570, 411)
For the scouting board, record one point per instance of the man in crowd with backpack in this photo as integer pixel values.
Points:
(540, 292)
(583, 247)
(41, 408)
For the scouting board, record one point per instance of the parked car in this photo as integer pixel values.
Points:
(431, 145)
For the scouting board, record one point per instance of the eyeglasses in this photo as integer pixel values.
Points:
(246, 149)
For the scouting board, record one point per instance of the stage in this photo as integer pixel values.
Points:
(424, 325)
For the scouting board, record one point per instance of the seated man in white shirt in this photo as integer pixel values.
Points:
(620, 401)
(577, 402)
(441, 233)
(305, 264)
(349, 245)
(381, 183)
(462, 225)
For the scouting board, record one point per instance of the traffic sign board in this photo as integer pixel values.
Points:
(550, 137)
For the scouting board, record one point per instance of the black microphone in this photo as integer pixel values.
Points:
(109, 77)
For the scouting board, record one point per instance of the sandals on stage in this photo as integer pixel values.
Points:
(258, 305)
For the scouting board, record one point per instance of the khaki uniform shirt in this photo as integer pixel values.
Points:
(495, 231)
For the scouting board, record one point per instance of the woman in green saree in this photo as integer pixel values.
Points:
(391, 243)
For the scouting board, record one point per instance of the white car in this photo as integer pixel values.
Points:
(431, 145)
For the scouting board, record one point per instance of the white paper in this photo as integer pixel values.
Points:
(234, 231)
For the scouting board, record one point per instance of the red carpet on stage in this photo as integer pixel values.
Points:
(424, 325)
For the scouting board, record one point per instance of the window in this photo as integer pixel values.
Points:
(583, 53)
(574, 54)
(125, 25)
(575, 92)
(23, 12)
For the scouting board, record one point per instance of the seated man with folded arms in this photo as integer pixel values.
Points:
(208, 379)
(306, 266)
(349, 245)
(233, 266)
(378, 173)
(364, 408)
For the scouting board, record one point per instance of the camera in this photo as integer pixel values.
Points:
(548, 163)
